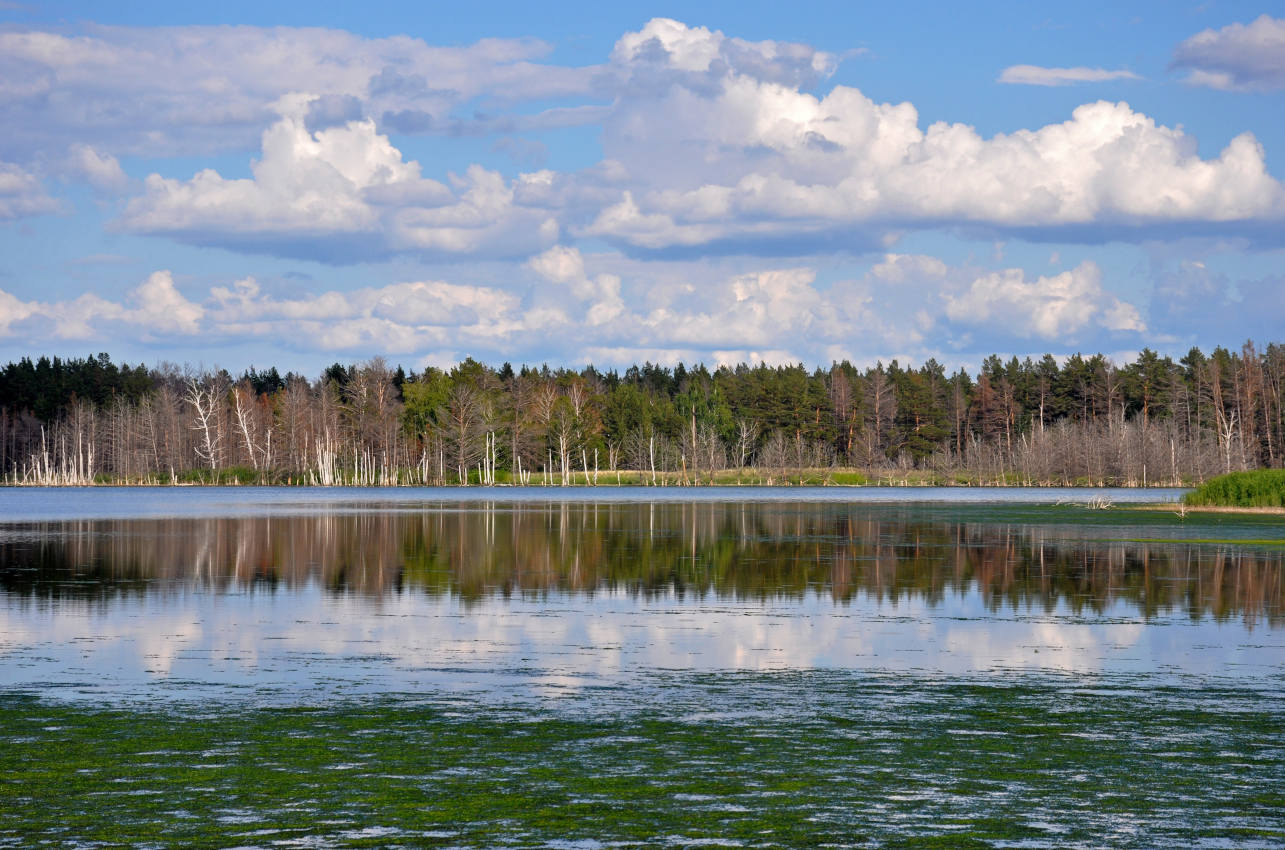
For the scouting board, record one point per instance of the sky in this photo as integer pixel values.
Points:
(295, 184)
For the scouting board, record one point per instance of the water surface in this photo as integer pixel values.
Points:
(38, 503)
(635, 668)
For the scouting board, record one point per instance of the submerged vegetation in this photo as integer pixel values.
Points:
(1082, 420)
(797, 759)
(1259, 488)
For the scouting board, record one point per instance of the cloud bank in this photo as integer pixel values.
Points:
(584, 312)
(1238, 57)
(745, 160)
(199, 90)
(22, 194)
(711, 144)
(727, 199)
(342, 193)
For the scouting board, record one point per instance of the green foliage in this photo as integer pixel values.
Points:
(266, 382)
(46, 386)
(425, 401)
(225, 475)
(887, 419)
(921, 411)
(1261, 488)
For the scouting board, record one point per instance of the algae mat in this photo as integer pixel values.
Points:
(777, 760)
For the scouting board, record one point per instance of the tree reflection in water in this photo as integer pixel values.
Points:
(742, 551)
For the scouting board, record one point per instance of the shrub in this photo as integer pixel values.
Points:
(1261, 488)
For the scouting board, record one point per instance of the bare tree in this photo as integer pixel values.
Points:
(204, 395)
(247, 416)
(467, 412)
(564, 432)
(881, 410)
(747, 435)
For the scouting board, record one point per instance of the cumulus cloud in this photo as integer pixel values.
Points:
(664, 44)
(1057, 307)
(724, 156)
(160, 308)
(901, 268)
(711, 145)
(21, 194)
(12, 311)
(100, 170)
(435, 303)
(611, 309)
(754, 311)
(488, 216)
(399, 318)
(877, 169)
(599, 294)
(154, 309)
(341, 193)
(1034, 75)
(713, 158)
(1238, 57)
(196, 90)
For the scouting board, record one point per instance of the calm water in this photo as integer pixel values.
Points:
(638, 667)
(41, 503)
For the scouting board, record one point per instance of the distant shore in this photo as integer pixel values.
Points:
(744, 477)
(612, 485)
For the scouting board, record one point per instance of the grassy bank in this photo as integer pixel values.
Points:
(1261, 488)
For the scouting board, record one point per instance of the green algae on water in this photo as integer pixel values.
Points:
(752, 760)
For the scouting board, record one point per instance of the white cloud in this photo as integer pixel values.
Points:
(1056, 307)
(101, 171)
(399, 318)
(1238, 57)
(12, 311)
(304, 183)
(712, 144)
(194, 90)
(721, 157)
(901, 268)
(21, 194)
(574, 307)
(441, 303)
(345, 181)
(1034, 75)
(601, 294)
(559, 264)
(153, 309)
(160, 308)
(769, 309)
(666, 44)
(487, 217)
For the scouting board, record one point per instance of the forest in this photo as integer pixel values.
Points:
(1076, 420)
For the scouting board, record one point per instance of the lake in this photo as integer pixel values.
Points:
(586, 668)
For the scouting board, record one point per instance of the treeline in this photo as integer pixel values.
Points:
(1084, 420)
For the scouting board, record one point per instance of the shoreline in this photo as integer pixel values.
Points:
(580, 485)
(746, 477)
(1178, 507)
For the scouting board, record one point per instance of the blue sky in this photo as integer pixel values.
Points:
(296, 184)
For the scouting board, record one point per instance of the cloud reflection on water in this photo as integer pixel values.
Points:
(555, 598)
